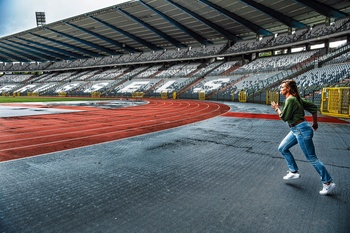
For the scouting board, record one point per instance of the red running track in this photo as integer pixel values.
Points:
(276, 117)
(33, 135)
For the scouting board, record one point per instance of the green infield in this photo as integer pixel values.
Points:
(23, 99)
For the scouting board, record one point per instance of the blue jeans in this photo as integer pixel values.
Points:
(302, 134)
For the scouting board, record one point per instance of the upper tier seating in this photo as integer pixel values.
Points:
(275, 63)
(324, 75)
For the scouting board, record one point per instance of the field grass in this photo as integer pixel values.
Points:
(23, 99)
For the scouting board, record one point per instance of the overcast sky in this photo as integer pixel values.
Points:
(19, 15)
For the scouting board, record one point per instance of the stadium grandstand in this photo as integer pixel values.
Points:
(187, 47)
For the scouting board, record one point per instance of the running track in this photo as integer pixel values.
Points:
(34, 135)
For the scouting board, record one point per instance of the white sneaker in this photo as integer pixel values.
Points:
(290, 175)
(327, 188)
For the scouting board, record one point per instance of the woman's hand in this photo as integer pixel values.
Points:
(274, 105)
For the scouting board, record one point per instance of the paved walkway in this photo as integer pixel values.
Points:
(219, 175)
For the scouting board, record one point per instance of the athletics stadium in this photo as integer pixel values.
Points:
(154, 116)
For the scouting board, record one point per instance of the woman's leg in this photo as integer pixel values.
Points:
(284, 147)
(304, 133)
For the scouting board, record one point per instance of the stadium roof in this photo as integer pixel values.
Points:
(146, 25)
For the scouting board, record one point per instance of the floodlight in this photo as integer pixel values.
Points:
(40, 18)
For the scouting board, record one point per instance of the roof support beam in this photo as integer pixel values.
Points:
(290, 22)
(66, 53)
(95, 46)
(31, 49)
(253, 27)
(40, 50)
(214, 26)
(166, 37)
(127, 34)
(15, 51)
(13, 57)
(322, 9)
(3, 59)
(180, 26)
(110, 41)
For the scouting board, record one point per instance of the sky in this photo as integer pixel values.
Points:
(19, 15)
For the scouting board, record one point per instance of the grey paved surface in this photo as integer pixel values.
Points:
(219, 175)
